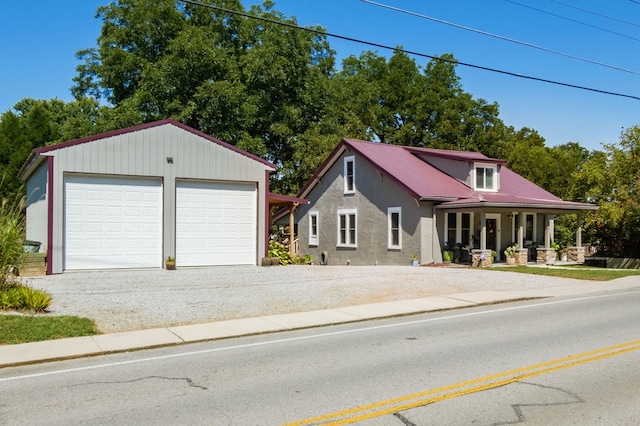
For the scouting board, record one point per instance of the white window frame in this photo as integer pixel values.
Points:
(348, 213)
(390, 212)
(459, 229)
(493, 167)
(349, 159)
(313, 236)
(514, 228)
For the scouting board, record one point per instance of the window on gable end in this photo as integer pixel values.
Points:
(394, 215)
(349, 174)
(313, 228)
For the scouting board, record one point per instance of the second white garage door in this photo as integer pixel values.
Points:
(215, 223)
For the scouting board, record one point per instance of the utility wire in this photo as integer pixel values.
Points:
(573, 20)
(544, 49)
(408, 52)
(596, 13)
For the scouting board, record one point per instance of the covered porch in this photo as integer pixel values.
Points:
(283, 207)
(486, 229)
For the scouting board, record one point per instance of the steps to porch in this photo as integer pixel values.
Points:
(35, 264)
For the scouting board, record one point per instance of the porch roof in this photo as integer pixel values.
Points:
(512, 202)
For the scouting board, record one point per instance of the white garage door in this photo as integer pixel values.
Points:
(112, 223)
(215, 223)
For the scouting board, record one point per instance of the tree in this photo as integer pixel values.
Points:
(35, 123)
(611, 178)
(250, 82)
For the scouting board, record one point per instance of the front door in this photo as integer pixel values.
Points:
(493, 231)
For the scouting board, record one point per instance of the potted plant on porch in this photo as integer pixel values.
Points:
(510, 254)
(447, 253)
(415, 259)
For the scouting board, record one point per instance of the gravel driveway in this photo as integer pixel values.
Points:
(127, 300)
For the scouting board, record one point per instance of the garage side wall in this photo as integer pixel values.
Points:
(37, 211)
(166, 152)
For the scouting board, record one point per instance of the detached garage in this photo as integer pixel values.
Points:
(133, 197)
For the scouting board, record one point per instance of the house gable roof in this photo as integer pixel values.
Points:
(409, 168)
(31, 162)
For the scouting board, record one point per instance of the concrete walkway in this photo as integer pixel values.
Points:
(28, 353)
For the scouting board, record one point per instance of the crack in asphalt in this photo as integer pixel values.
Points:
(190, 382)
(404, 420)
(517, 408)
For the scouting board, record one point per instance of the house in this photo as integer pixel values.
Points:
(133, 197)
(373, 203)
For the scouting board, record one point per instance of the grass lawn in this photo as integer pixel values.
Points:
(27, 328)
(577, 272)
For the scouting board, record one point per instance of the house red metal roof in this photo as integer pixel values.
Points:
(408, 167)
(420, 178)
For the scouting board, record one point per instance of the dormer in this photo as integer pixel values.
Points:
(476, 170)
(485, 176)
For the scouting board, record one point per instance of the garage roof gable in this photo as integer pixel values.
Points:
(36, 155)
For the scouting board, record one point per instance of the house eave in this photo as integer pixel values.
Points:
(31, 163)
(563, 208)
(439, 199)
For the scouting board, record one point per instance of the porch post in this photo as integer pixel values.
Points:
(579, 230)
(483, 230)
(520, 230)
(548, 231)
(291, 228)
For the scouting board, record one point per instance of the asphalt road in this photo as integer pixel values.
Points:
(560, 361)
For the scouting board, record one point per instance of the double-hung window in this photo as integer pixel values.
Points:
(350, 174)
(313, 228)
(347, 228)
(486, 177)
(394, 215)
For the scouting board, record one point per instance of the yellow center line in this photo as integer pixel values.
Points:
(406, 402)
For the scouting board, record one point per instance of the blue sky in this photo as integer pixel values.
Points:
(38, 45)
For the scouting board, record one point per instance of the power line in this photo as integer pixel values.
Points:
(544, 49)
(572, 20)
(408, 52)
(595, 13)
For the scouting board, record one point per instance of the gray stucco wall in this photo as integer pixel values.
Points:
(145, 153)
(375, 193)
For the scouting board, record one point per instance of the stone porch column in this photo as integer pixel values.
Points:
(481, 258)
(522, 256)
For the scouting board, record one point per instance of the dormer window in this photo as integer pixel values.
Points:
(486, 177)
(349, 174)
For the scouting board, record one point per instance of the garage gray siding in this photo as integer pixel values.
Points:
(374, 194)
(166, 151)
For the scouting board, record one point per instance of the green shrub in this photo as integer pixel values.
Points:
(20, 297)
(12, 234)
(280, 251)
(34, 299)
